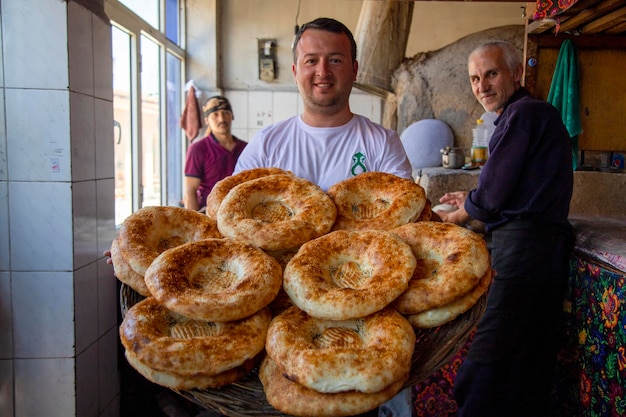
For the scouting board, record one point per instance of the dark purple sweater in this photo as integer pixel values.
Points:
(528, 175)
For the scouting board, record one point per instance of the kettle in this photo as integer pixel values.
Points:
(452, 157)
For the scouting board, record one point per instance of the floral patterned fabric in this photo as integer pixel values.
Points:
(593, 363)
(434, 397)
(591, 370)
(551, 8)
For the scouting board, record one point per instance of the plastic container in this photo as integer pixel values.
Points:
(480, 143)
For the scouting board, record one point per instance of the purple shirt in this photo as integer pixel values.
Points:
(209, 161)
(529, 173)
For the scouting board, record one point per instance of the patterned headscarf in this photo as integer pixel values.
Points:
(216, 103)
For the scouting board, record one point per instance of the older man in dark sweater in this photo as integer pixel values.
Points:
(523, 197)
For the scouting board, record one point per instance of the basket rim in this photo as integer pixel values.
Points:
(433, 349)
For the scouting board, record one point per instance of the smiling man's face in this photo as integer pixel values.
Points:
(493, 82)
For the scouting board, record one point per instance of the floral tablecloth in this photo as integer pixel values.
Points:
(593, 363)
(591, 374)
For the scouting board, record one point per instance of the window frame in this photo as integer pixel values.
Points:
(126, 20)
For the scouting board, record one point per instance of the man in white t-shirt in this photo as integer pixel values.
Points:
(327, 143)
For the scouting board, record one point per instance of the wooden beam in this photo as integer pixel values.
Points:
(587, 15)
(616, 30)
(580, 41)
(605, 22)
(541, 26)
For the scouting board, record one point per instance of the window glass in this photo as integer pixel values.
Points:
(148, 100)
(150, 123)
(174, 134)
(122, 123)
(148, 10)
(171, 21)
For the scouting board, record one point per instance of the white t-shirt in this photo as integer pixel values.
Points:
(326, 155)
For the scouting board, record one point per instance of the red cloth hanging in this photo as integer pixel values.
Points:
(190, 119)
(551, 8)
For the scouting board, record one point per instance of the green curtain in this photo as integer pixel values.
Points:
(565, 95)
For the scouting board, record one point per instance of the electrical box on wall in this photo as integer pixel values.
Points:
(267, 59)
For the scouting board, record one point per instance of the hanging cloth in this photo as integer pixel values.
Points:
(190, 119)
(565, 96)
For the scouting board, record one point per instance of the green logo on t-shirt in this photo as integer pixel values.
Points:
(358, 164)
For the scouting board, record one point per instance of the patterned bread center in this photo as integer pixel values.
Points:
(366, 210)
(212, 277)
(338, 337)
(426, 268)
(349, 275)
(169, 242)
(271, 212)
(193, 328)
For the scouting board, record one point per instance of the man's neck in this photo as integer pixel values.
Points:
(225, 139)
(324, 120)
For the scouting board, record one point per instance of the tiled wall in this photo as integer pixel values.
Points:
(58, 301)
(254, 110)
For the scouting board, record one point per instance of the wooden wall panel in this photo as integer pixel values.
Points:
(602, 93)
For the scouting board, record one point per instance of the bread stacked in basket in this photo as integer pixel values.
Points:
(319, 290)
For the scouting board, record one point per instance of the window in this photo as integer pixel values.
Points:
(148, 95)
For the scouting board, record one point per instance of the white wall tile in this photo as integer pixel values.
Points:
(260, 109)
(243, 134)
(46, 387)
(105, 201)
(3, 136)
(6, 333)
(43, 314)
(40, 228)
(285, 105)
(4, 228)
(104, 140)
(86, 306)
(83, 137)
(37, 153)
(6, 387)
(366, 105)
(102, 59)
(108, 380)
(27, 26)
(85, 222)
(80, 47)
(1, 57)
(87, 382)
(107, 298)
(239, 103)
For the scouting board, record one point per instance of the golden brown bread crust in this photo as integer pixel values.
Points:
(276, 212)
(348, 274)
(168, 343)
(222, 187)
(200, 380)
(451, 260)
(376, 200)
(427, 212)
(151, 230)
(365, 354)
(124, 272)
(294, 399)
(214, 279)
(440, 315)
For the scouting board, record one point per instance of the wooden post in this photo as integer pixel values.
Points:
(381, 35)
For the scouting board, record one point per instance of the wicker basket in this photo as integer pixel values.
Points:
(433, 349)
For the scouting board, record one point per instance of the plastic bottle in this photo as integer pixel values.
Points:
(480, 143)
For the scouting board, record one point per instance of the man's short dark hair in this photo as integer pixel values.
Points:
(329, 25)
